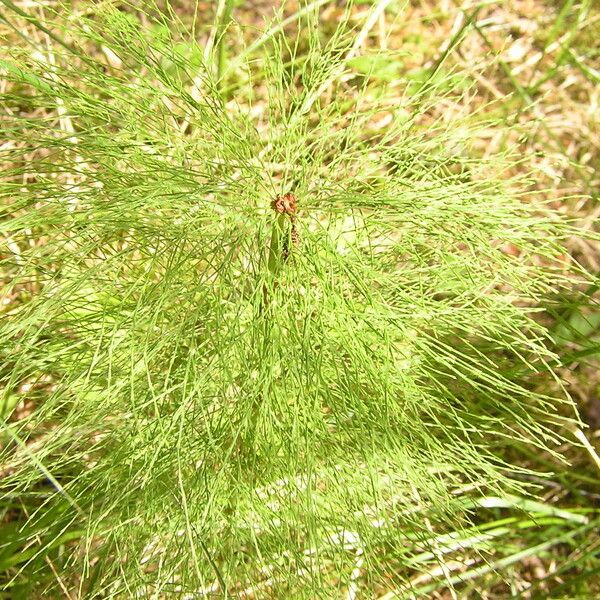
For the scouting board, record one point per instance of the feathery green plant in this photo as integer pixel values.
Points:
(217, 408)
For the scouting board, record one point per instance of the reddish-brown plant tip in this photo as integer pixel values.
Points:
(286, 204)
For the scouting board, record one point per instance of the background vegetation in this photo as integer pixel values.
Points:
(194, 405)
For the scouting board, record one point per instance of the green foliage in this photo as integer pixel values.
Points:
(212, 412)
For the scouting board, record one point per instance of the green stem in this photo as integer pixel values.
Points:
(276, 246)
(275, 257)
(226, 10)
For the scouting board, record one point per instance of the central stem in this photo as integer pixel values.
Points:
(285, 208)
(276, 246)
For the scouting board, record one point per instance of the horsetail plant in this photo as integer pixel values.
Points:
(262, 319)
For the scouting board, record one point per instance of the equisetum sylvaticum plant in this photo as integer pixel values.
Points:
(267, 330)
